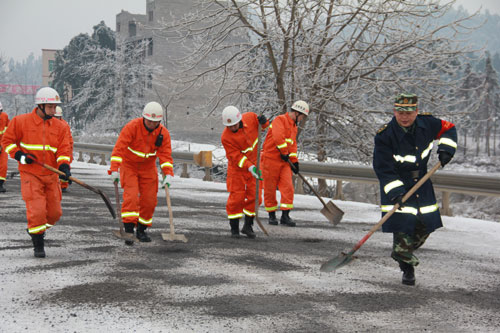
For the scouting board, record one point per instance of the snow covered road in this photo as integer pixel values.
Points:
(91, 282)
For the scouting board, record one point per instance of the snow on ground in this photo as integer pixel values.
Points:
(92, 282)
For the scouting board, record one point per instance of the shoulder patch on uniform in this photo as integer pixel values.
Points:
(426, 113)
(381, 129)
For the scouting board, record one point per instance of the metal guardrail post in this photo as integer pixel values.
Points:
(299, 185)
(339, 195)
(208, 174)
(103, 160)
(184, 173)
(445, 209)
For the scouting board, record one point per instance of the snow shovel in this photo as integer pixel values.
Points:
(330, 210)
(346, 258)
(121, 233)
(79, 182)
(172, 236)
(259, 147)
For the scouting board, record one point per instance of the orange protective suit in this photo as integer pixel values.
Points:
(241, 153)
(65, 183)
(4, 122)
(135, 155)
(48, 142)
(280, 140)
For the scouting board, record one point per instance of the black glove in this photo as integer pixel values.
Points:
(284, 157)
(295, 168)
(398, 200)
(262, 119)
(23, 158)
(444, 157)
(65, 168)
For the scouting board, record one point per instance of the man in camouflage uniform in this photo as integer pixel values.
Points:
(402, 150)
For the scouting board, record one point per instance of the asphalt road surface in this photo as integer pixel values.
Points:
(92, 282)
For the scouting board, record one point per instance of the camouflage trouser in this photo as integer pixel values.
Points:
(404, 244)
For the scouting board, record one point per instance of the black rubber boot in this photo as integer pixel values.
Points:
(38, 244)
(141, 233)
(247, 227)
(272, 218)
(235, 228)
(2, 189)
(129, 229)
(408, 273)
(285, 219)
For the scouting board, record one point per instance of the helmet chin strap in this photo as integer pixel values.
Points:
(45, 115)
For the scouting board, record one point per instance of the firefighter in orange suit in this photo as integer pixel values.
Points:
(133, 164)
(280, 147)
(58, 115)
(37, 136)
(4, 121)
(240, 139)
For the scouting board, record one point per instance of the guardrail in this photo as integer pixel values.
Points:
(202, 159)
(445, 181)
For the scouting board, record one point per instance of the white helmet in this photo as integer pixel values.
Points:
(302, 107)
(47, 95)
(231, 116)
(1, 107)
(153, 111)
(58, 112)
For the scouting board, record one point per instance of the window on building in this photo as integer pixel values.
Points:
(51, 65)
(150, 16)
(132, 29)
(117, 26)
(150, 46)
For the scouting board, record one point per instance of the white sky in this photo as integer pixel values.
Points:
(29, 25)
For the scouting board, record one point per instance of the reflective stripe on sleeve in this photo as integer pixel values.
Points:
(10, 147)
(242, 161)
(166, 164)
(427, 150)
(448, 142)
(116, 159)
(392, 185)
(63, 158)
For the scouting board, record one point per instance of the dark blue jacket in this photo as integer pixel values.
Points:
(400, 160)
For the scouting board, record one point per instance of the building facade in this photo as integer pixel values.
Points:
(187, 116)
(48, 60)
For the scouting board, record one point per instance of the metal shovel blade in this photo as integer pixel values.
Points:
(332, 213)
(124, 236)
(337, 262)
(173, 237)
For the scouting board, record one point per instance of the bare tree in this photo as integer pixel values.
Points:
(346, 58)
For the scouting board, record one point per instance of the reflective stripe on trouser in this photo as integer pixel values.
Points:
(140, 188)
(404, 244)
(3, 164)
(277, 174)
(42, 196)
(241, 200)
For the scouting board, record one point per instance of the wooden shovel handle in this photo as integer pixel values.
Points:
(308, 184)
(170, 214)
